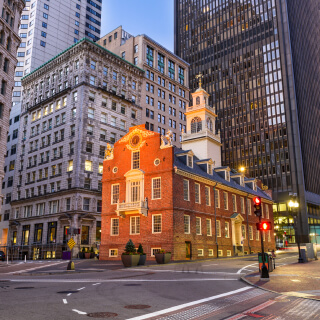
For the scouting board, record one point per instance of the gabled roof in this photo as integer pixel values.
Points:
(215, 176)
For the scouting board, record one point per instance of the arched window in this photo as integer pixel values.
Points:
(198, 100)
(196, 125)
(209, 124)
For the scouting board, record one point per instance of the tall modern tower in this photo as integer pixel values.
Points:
(260, 66)
(46, 29)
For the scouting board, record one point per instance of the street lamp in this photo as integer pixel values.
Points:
(242, 169)
(294, 205)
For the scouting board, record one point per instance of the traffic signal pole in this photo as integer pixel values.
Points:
(264, 269)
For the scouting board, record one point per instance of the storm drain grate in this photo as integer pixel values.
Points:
(25, 288)
(137, 306)
(102, 315)
(66, 292)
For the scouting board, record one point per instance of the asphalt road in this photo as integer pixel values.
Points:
(209, 289)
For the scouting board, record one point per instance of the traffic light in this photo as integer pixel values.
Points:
(264, 226)
(257, 206)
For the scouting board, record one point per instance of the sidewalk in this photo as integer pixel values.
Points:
(298, 279)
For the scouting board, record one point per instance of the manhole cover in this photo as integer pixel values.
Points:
(137, 306)
(66, 292)
(102, 315)
(24, 288)
(132, 285)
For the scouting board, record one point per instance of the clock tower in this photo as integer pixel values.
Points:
(201, 135)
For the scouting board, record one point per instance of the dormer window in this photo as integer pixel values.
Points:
(254, 186)
(136, 160)
(190, 161)
(242, 181)
(209, 168)
(227, 176)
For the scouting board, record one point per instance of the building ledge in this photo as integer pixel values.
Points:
(125, 208)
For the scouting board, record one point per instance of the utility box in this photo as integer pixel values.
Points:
(303, 255)
(268, 261)
(311, 251)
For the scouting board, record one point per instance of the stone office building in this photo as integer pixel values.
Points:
(73, 106)
(165, 89)
(9, 42)
(179, 200)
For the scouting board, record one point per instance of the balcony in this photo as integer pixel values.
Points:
(132, 207)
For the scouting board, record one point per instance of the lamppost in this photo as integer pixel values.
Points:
(294, 205)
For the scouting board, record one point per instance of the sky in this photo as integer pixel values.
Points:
(151, 17)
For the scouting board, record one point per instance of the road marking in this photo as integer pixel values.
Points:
(81, 288)
(189, 304)
(79, 312)
(184, 271)
(69, 294)
(95, 284)
(251, 311)
(116, 280)
(65, 301)
(295, 280)
(31, 269)
(249, 265)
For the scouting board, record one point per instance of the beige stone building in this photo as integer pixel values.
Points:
(165, 92)
(73, 105)
(9, 43)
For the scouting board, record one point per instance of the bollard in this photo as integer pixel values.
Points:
(7, 259)
(25, 259)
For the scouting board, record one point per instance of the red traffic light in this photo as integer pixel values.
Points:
(257, 200)
(264, 226)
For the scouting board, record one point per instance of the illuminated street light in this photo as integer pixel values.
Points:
(242, 169)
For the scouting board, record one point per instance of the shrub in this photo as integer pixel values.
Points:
(140, 249)
(130, 247)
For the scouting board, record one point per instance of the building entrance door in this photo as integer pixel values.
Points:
(188, 250)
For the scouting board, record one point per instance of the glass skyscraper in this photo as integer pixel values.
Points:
(252, 55)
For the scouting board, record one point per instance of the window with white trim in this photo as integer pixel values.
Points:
(135, 159)
(156, 223)
(234, 203)
(186, 224)
(134, 225)
(250, 233)
(113, 252)
(186, 195)
(243, 230)
(200, 252)
(207, 194)
(115, 226)
(226, 230)
(264, 235)
(156, 188)
(210, 252)
(228, 253)
(198, 225)
(262, 211)
(154, 251)
(209, 228)
(197, 192)
(249, 206)
(190, 161)
(242, 205)
(225, 200)
(220, 253)
(217, 198)
(218, 228)
(257, 234)
(115, 192)
(269, 236)
(267, 212)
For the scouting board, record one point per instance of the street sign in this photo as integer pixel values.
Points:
(71, 243)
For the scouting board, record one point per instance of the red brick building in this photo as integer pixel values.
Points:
(165, 197)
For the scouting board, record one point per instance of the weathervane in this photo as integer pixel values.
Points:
(199, 76)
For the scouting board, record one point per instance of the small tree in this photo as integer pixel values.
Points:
(130, 247)
(140, 249)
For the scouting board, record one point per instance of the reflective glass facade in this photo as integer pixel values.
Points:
(243, 50)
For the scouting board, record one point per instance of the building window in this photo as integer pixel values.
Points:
(218, 228)
(156, 223)
(198, 226)
(234, 202)
(186, 195)
(115, 193)
(200, 252)
(113, 252)
(249, 206)
(154, 251)
(135, 159)
(225, 199)
(209, 229)
(250, 233)
(88, 165)
(267, 211)
(134, 225)
(243, 231)
(186, 224)
(190, 161)
(156, 188)
(25, 235)
(210, 252)
(115, 227)
(86, 204)
(197, 192)
(242, 205)
(226, 230)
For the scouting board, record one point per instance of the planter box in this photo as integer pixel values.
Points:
(81, 255)
(87, 255)
(162, 258)
(130, 260)
(142, 259)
